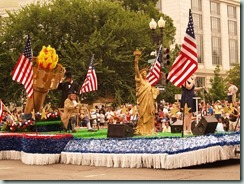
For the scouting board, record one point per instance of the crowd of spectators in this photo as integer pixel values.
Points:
(227, 115)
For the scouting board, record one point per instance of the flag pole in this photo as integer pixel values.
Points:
(34, 113)
(33, 97)
(183, 121)
(78, 113)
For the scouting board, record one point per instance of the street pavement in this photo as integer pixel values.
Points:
(16, 170)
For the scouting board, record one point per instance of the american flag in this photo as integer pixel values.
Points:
(90, 83)
(186, 63)
(154, 73)
(1, 110)
(23, 71)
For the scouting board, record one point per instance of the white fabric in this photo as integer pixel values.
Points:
(75, 103)
(10, 155)
(39, 159)
(220, 127)
(156, 161)
(232, 90)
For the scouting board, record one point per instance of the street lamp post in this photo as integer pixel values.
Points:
(157, 38)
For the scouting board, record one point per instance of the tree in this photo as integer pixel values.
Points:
(217, 91)
(76, 29)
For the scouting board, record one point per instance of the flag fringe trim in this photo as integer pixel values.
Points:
(39, 159)
(156, 161)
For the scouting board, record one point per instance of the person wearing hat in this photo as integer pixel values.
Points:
(66, 85)
(72, 109)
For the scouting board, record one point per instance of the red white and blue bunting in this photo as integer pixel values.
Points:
(166, 153)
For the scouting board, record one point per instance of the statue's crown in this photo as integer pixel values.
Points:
(145, 68)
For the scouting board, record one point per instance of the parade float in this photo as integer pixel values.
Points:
(157, 152)
(136, 152)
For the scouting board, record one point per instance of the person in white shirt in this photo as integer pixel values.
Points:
(220, 126)
(109, 115)
(232, 93)
(166, 128)
(166, 109)
(102, 122)
(93, 118)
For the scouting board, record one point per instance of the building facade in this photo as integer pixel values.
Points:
(14, 5)
(217, 32)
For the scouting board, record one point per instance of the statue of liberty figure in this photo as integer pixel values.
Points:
(146, 95)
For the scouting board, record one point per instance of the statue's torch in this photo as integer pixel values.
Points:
(47, 75)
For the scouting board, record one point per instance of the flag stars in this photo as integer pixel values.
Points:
(27, 51)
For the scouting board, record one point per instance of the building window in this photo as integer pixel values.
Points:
(215, 17)
(232, 27)
(232, 31)
(199, 48)
(233, 52)
(196, 5)
(197, 19)
(215, 25)
(200, 81)
(216, 33)
(216, 50)
(214, 8)
(231, 12)
(159, 5)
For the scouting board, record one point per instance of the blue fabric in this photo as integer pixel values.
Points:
(151, 145)
(10, 143)
(45, 145)
(66, 143)
(50, 144)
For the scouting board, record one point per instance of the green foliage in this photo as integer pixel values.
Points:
(217, 92)
(138, 5)
(220, 84)
(76, 29)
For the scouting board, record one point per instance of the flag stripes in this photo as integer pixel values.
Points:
(186, 63)
(23, 72)
(154, 73)
(1, 110)
(90, 83)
